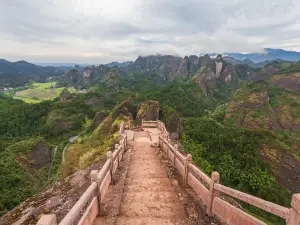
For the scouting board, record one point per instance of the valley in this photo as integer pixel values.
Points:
(38, 92)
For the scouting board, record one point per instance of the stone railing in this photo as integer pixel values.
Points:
(209, 189)
(91, 199)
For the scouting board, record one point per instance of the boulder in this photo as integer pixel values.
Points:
(147, 111)
(173, 125)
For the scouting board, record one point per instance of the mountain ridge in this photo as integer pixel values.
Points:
(268, 54)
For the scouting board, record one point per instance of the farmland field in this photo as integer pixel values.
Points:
(39, 92)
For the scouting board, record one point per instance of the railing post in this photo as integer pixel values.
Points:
(93, 176)
(294, 218)
(188, 159)
(175, 154)
(118, 155)
(215, 178)
(47, 220)
(110, 159)
(159, 141)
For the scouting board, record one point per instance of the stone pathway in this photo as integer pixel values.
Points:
(143, 193)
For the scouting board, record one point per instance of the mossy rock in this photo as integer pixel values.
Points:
(148, 110)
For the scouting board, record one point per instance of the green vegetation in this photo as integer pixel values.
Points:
(18, 119)
(24, 125)
(234, 152)
(43, 85)
(291, 68)
(186, 98)
(93, 145)
(17, 180)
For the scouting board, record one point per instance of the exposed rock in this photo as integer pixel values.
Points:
(126, 108)
(172, 121)
(285, 167)
(27, 213)
(183, 68)
(194, 63)
(78, 178)
(174, 125)
(266, 72)
(40, 156)
(73, 77)
(112, 77)
(98, 118)
(219, 65)
(53, 202)
(65, 95)
(288, 81)
(147, 111)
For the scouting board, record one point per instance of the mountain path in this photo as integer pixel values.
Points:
(143, 192)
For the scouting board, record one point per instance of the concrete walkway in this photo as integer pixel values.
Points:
(145, 193)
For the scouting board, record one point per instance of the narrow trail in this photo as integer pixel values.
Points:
(143, 193)
(71, 141)
(51, 164)
(64, 153)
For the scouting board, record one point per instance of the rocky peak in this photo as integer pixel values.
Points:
(219, 58)
(166, 65)
(219, 65)
(112, 77)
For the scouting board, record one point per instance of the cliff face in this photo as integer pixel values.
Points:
(215, 73)
(91, 76)
(167, 67)
(148, 110)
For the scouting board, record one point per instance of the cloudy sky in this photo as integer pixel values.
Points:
(100, 31)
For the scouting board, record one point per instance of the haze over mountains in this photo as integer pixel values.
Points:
(268, 54)
(18, 73)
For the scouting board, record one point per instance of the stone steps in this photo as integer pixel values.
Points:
(148, 196)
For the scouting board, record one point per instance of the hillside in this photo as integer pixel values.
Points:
(19, 73)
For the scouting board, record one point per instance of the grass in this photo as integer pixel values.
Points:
(27, 100)
(44, 85)
(39, 92)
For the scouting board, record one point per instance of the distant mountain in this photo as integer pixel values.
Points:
(119, 64)
(62, 64)
(269, 54)
(238, 62)
(19, 73)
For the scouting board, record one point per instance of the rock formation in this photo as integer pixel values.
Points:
(147, 111)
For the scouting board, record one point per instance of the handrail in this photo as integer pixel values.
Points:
(270, 207)
(98, 188)
(72, 214)
(194, 177)
(201, 174)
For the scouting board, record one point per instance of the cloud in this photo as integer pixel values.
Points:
(93, 31)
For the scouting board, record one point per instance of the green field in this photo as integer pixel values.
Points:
(39, 92)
